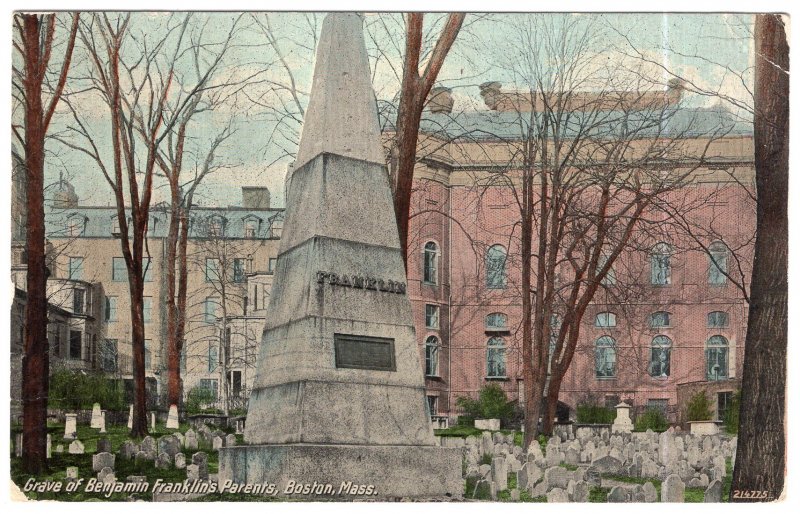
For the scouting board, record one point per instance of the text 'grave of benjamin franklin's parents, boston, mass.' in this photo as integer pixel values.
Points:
(339, 393)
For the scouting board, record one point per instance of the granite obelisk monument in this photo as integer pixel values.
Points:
(339, 393)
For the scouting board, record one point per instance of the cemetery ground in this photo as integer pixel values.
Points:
(504, 443)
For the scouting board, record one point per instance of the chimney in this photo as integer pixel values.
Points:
(441, 100)
(490, 92)
(255, 198)
(64, 196)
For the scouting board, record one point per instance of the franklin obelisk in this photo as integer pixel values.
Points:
(339, 394)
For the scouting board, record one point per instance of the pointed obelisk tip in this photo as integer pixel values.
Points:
(342, 116)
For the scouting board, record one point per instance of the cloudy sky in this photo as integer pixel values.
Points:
(265, 76)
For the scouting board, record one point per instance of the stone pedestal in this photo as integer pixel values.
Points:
(704, 427)
(393, 471)
(96, 414)
(172, 418)
(71, 426)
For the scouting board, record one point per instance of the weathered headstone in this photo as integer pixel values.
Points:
(190, 440)
(153, 421)
(217, 442)
(148, 444)
(59, 448)
(163, 461)
(49, 449)
(128, 449)
(619, 494)
(580, 493)
(103, 445)
(713, 493)
(96, 413)
(193, 472)
(557, 477)
(672, 489)
(557, 495)
(201, 460)
(341, 327)
(650, 492)
(72, 472)
(607, 464)
(500, 473)
(76, 447)
(102, 460)
(102, 426)
(130, 416)
(180, 461)
(70, 426)
(18, 445)
(169, 444)
(106, 476)
(172, 418)
(230, 440)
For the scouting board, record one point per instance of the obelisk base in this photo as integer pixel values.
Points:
(346, 472)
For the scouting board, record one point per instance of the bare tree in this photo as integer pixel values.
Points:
(32, 83)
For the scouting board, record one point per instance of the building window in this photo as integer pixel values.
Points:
(605, 357)
(111, 309)
(724, 401)
(119, 271)
(496, 267)
(717, 263)
(213, 357)
(717, 319)
(610, 278)
(75, 268)
(660, 266)
(250, 229)
(210, 385)
(660, 350)
(659, 319)
(432, 404)
(75, 344)
(108, 359)
(605, 320)
(115, 226)
(431, 316)
(148, 354)
(716, 358)
(147, 269)
(78, 301)
(75, 227)
(432, 357)
(238, 270)
(658, 404)
(271, 264)
(147, 308)
(216, 227)
(496, 358)
(430, 263)
(210, 309)
(235, 382)
(497, 321)
(212, 269)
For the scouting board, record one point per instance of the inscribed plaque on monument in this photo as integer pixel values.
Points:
(363, 352)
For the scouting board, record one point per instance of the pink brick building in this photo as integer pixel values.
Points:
(666, 317)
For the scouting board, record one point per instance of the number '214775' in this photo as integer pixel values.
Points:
(750, 495)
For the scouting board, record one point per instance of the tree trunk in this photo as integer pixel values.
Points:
(760, 454)
(36, 358)
(173, 343)
(136, 284)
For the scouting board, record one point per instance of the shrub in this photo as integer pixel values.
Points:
(70, 389)
(653, 419)
(732, 416)
(699, 408)
(197, 398)
(492, 402)
(587, 413)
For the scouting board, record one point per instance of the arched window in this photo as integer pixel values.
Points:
(605, 320)
(496, 357)
(717, 319)
(497, 321)
(660, 265)
(430, 263)
(432, 356)
(605, 357)
(496, 267)
(660, 350)
(717, 263)
(716, 358)
(660, 319)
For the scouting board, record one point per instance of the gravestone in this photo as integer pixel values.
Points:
(557, 477)
(713, 493)
(18, 445)
(217, 442)
(103, 445)
(190, 440)
(59, 448)
(128, 449)
(70, 426)
(180, 461)
(619, 494)
(192, 472)
(580, 492)
(200, 459)
(130, 416)
(153, 421)
(557, 495)
(163, 461)
(338, 376)
(148, 444)
(49, 449)
(672, 490)
(500, 473)
(106, 476)
(102, 460)
(650, 492)
(102, 426)
(230, 440)
(72, 472)
(172, 418)
(76, 447)
(169, 444)
(96, 413)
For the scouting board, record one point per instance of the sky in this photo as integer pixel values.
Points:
(267, 121)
